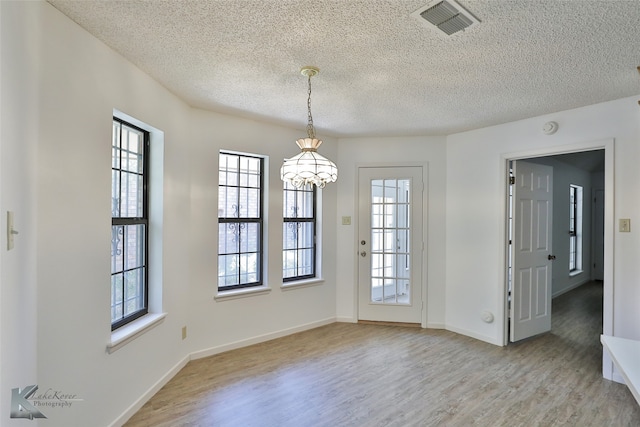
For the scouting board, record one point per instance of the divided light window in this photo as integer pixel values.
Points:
(240, 223)
(575, 228)
(299, 232)
(129, 222)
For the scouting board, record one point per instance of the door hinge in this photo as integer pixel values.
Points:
(512, 180)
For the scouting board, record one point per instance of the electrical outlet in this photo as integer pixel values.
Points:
(184, 332)
(625, 225)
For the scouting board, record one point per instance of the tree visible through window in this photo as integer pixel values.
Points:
(240, 221)
(299, 232)
(129, 223)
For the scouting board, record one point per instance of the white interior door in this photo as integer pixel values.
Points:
(390, 244)
(532, 250)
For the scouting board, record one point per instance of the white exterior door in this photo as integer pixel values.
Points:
(532, 250)
(390, 244)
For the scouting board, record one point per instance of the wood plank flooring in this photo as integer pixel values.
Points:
(372, 375)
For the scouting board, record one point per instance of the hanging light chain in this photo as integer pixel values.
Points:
(310, 131)
(309, 166)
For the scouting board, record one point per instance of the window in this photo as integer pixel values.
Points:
(299, 232)
(575, 228)
(390, 241)
(129, 223)
(240, 222)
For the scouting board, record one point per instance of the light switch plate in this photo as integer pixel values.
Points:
(625, 225)
(346, 220)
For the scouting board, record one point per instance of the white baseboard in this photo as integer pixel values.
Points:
(617, 378)
(255, 340)
(472, 334)
(139, 403)
(607, 366)
(260, 338)
(570, 288)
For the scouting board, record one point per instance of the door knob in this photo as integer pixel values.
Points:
(551, 257)
(363, 254)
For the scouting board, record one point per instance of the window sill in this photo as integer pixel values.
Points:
(575, 273)
(242, 293)
(302, 284)
(133, 330)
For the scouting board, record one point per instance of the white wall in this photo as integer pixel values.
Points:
(476, 183)
(19, 33)
(59, 88)
(354, 152)
(218, 323)
(81, 82)
(565, 175)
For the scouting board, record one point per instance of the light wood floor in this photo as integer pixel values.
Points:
(371, 375)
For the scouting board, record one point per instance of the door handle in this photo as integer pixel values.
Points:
(363, 254)
(551, 257)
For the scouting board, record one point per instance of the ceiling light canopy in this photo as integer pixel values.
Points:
(309, 167)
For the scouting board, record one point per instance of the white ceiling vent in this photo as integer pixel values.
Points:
(445, 16)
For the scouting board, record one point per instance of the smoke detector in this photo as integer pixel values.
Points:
(445, 16)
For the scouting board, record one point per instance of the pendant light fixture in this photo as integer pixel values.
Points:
(309, 167)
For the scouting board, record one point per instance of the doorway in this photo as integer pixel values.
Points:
(390, 244)
(588, 157)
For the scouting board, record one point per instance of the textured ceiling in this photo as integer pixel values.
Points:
(382, 72)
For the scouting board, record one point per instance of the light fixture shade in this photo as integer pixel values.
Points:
(308, 167)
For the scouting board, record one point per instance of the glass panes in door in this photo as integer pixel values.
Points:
(390, 241)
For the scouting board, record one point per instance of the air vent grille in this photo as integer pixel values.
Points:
(440, 13)
(455, 24)
(446, 16)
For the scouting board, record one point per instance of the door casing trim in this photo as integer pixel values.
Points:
(425, 231)
(608, 145)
